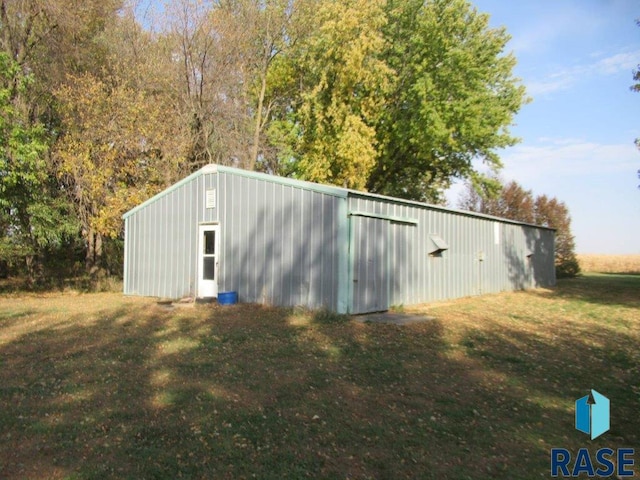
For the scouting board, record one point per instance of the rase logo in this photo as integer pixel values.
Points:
(592, 414)
(605, 466)
(592, 418)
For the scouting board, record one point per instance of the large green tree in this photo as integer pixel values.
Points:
(34, 216)
(396, 96)
(453, 102)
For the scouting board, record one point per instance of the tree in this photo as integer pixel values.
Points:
(511, 201)
(396, 97)
(140, 61)
(54, 36)
(261, 32)
(49, 39)
(342, 89)
(33, 216)
(111, 155)
(552, 213)
(208, 82)
(516, 203)
(453, 100)
(44, 41)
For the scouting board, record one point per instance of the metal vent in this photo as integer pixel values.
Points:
(439, 245)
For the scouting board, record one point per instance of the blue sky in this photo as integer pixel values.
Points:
(576, 58)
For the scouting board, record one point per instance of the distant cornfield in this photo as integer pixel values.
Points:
(609, 263)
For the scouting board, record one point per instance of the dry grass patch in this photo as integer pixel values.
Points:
(590, 263)
(101, 386)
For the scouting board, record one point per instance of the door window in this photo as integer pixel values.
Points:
(209, 242)
(209, 258)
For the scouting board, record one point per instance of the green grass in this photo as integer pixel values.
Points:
(101, 386)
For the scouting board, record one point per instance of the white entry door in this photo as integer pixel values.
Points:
(208, 251)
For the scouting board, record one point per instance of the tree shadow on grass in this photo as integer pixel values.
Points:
(136, 391)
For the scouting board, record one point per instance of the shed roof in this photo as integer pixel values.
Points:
(320, 188)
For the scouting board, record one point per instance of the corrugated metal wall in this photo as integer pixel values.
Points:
(285, 242)
(161, 240)
(281, 244)
(483, 255)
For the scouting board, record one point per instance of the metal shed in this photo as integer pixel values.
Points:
(287, 242)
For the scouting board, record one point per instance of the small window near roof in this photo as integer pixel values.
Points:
(438, 245)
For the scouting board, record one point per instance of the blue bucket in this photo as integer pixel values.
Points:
(227, 298)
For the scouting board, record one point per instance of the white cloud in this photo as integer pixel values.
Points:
(556, 158)
(624, 61)
(568, 157)
(560, 141)
(552, 83)
(567, 77)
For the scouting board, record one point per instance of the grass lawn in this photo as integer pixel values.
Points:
(101, 386)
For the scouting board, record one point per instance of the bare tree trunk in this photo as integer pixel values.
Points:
(256, 133)
(93, 259)
(32, 274)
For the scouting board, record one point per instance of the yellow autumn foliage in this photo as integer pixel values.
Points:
(116, 151)
(344, 94)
